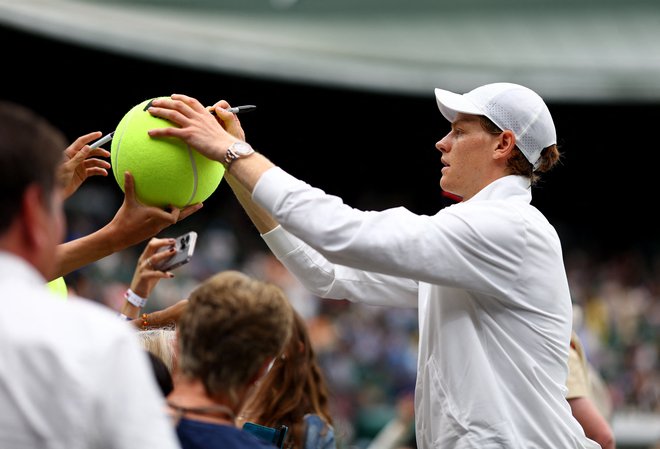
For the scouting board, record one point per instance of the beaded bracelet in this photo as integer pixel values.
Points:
(135, 299)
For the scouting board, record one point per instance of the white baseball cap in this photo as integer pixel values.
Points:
(509, 106)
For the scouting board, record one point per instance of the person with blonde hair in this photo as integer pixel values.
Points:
(161, 342)
(486, 274)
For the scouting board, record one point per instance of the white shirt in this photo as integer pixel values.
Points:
(72, 375)
(488, 278)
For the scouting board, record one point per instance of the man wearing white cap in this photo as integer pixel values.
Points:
(486, 274)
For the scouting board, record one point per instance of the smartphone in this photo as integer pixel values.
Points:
(184, 246)
(268, 434)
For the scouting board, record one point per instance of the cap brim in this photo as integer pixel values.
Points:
(451, 104)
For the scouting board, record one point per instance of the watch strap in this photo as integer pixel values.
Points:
(231, 155)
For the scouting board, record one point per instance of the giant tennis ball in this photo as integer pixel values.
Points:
(166, 170)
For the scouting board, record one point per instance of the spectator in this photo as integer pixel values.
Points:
(160, 342)
(232, 329)
(581, 398)
(74, 376)
(294, 393)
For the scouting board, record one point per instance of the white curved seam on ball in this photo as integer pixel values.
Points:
(194, 170)
(118, 148)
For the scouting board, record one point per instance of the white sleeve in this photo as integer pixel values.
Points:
(477, 246)
(332, 281)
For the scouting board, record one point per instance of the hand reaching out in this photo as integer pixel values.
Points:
(135, 222)
(209, 134)
(199, 129)
(146, 276)
(162, 318)
(81, 162)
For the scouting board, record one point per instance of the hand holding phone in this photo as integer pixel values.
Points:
(184, 248)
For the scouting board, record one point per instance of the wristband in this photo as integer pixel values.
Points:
(135, 299)
(124, 317)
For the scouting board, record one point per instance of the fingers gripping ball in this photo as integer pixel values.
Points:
(166, 170)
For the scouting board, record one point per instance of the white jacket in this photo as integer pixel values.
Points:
(72, 374)
(488, 278)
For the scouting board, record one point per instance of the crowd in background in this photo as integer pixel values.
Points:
(620, 323)
(369, 353)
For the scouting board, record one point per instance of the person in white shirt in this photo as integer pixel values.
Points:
(486, 274)
(72, 375)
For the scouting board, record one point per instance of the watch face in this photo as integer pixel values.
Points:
(241, 148)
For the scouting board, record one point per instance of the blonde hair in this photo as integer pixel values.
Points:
(233, 324)
(161, 343)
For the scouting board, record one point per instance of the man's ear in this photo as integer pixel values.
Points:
(506, 144)
(30, 237)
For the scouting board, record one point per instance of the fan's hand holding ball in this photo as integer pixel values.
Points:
(166, 170)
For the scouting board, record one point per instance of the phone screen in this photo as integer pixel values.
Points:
(268, 434)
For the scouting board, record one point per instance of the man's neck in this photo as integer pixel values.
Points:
(189, 399)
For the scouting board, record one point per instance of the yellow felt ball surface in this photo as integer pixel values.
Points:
(58, 287)
(166, 170)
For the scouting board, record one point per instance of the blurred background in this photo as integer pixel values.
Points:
(344, 91)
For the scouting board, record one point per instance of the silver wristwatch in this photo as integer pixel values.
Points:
(237, 150)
